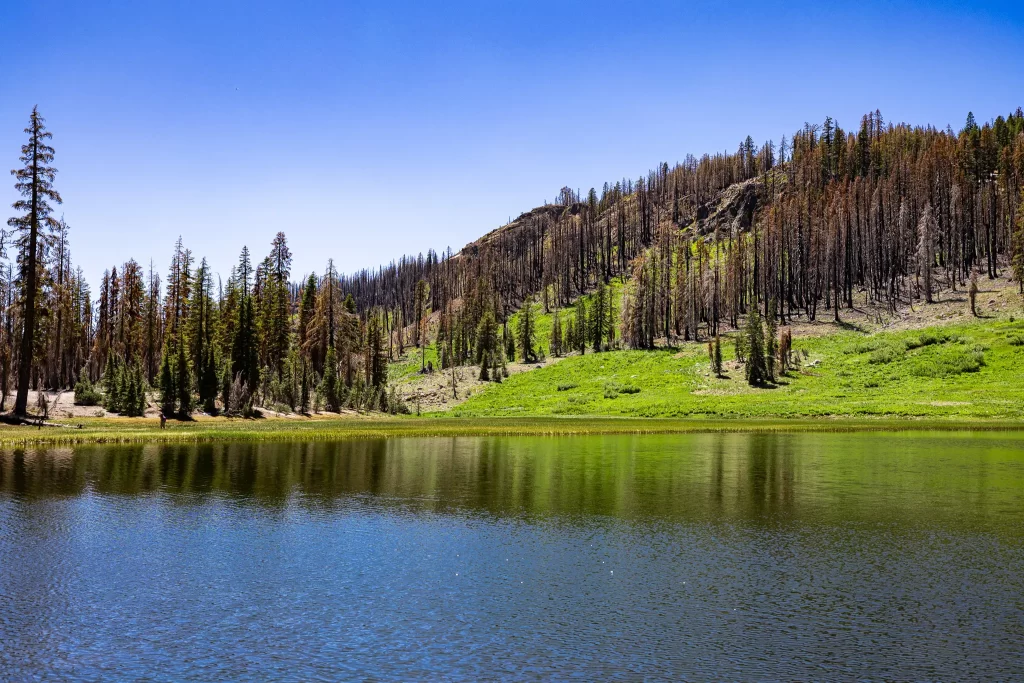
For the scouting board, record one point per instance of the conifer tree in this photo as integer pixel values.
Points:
(509, 338)
(329, 383)
(756, 371)
(598, 306)
(245, 350)
(377, 357)
(486, 343)
(183, 381)
(208, 383)
(134, 398)
(304, 388)
(771, 343)
(579, 328)
(526, 334)
(278, 327)
(555, 345)
(34, 182)
(168, 389)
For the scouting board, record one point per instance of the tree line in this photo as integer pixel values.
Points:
(256, 339)
(891, 213)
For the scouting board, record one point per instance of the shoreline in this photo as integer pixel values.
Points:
(319, 428)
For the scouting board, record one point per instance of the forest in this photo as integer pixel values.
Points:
(750, 239)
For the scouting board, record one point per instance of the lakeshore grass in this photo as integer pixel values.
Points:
(963, 376)
(146, 430)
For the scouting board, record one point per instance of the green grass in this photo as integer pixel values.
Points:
(542, 324)
(957, 372)
(146, 430)
(956, 377)
(407, 367)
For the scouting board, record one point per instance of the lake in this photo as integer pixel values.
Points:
(735, 556)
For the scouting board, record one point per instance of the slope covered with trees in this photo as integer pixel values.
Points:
(789, 231)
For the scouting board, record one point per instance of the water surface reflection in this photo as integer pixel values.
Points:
(667, 557)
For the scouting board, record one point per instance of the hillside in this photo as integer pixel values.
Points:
(931, 360)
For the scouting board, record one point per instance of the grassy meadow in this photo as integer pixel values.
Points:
(964, 371)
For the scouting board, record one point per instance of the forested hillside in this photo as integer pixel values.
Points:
(792, 231)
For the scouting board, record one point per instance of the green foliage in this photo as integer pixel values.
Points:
(183, 381)
(168, 388)
(510, 343)
(949, 361)
(376, 354)
(329, 384)
(579, 337)
(715, 355)
(209, 383)
(527, 332)
(756, 366)
(133, 403)
(486, 343)
(555, 345)
(613, 389)
(85, 392)
(113, 384)
(771, 344)
(955, 379)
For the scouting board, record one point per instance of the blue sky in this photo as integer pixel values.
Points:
(367, 130)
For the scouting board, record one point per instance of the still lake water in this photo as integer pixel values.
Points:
(810, 556)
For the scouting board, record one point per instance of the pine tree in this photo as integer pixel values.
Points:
(377, 357)
(111, 387)
(134, 399)
(278, 328)
(509, 338)
(597, 318)
(168, 389)
(304, 389)
(34, 182)
(527, 331)
(579, 337)
(225, 385)
(329, 383)
(183, 381)
(245, 346)
(486, 343)
(208, 383)
(715, 354)
(756, 370)
(307, 309)
(771, 343)
(555, 345)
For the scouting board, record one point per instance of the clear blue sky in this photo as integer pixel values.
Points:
(365, 131)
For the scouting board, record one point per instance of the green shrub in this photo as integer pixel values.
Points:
(888, 352)
(85, 392)
(954, 361)
(866, 345)
(567, 387)
(1015, 340)
(933, 336)
(613, 389)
